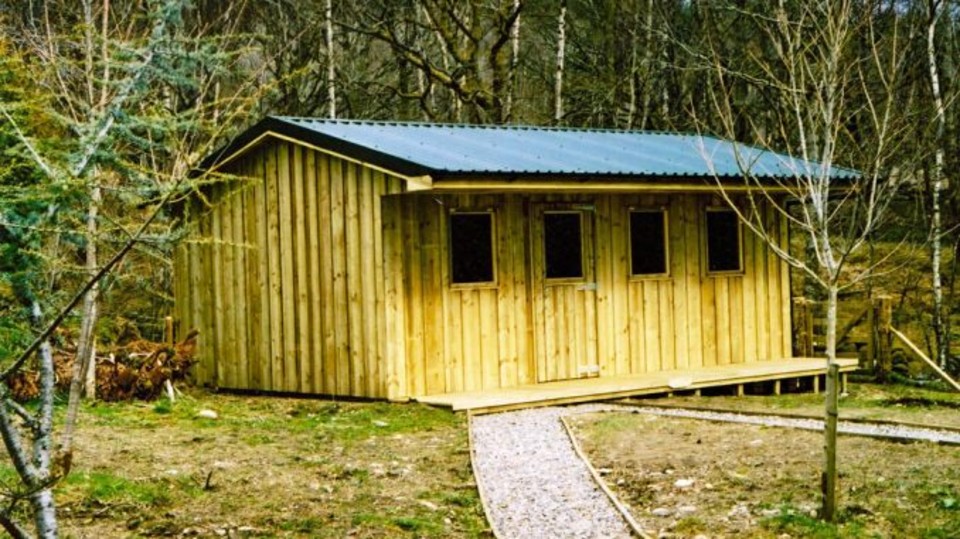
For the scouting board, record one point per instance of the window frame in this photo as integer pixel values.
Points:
(584, 273)
(706, 243)
(664, 213)
(494, 262)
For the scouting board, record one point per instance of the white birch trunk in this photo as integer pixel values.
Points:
(561, 46)
(331, 63)
(936, 226)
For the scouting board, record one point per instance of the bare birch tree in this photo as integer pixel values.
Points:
(561, 51)
(331, 61)
(940, 323)
(812, 67)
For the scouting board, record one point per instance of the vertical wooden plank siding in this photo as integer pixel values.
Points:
(315, 336)
(300, 205)
(258, 332)
(240, 248)
(287, 255)
(328, 307)
(324, 276)
(273, 253)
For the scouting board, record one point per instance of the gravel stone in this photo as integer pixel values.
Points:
(683, 483)
(533, 480)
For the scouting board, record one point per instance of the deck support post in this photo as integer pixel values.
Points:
(881, 338)
(740, 390)
(776, 387)
(803, 327)
(696, 392)
(816, 384)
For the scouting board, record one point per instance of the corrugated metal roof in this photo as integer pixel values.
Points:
(518, 150)
(439, 150)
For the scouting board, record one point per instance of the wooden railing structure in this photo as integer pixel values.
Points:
(878, 315)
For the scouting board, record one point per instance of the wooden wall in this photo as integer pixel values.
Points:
(283, 278)
(473, 338)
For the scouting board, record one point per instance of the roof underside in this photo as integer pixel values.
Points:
(440, 150)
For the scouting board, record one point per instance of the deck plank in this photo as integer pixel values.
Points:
(614, 387)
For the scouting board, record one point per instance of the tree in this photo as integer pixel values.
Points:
(834, 81)
(140, 114)
(466, 54)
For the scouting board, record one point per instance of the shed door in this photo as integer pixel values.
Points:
(564, 291)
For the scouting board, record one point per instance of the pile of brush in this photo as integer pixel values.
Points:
(139, 369)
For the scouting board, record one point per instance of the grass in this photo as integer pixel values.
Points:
(269, 467)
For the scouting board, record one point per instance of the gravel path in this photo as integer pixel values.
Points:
(534, 484)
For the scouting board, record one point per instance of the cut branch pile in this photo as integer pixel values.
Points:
(136, 370)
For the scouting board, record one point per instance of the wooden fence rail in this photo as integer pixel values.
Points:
(879, 351)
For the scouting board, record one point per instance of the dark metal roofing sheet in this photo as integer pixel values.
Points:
(514, 150)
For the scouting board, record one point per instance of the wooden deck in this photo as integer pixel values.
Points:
(616, 387)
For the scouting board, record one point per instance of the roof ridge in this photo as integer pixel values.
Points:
(507, 127)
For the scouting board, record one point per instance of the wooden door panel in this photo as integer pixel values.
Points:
(564, 295)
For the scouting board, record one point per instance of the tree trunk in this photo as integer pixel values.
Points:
(44, 508)
(647, 66)
(331, 63)
(829, 480)
(632, 80)
(558, 81)
(514, 60)
(89, 321)
(936, 227)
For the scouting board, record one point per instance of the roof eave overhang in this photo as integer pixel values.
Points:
(418, 178)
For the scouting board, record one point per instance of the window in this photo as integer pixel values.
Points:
(471, 248)
(563, 245)
(723, 241)
(648, 242)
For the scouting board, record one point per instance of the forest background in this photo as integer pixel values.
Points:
(107, 106)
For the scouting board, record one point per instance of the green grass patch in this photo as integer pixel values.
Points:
(107, 489)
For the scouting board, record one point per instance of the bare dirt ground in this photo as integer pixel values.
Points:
(270, 467)
(684, 478)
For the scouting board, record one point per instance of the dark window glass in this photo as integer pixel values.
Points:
(563, 245)
(471, 248)
(723, 241)
(648, 247)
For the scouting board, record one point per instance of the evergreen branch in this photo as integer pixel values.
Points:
(91, 282)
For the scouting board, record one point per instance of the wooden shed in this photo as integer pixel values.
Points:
(401, 260)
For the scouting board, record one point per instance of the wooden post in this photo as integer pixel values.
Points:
(168, 330)
(803, 327)
(739, 390)
(776, 387)
(829, 480)
(881, 337)
(930, 363)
